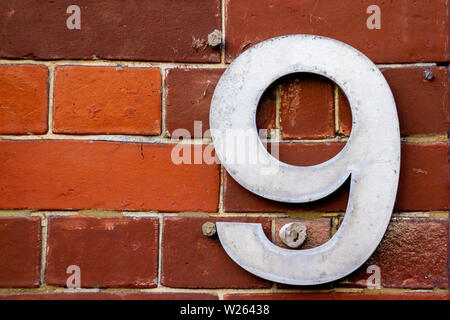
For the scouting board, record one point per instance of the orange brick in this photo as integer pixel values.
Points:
(107, 100)
(23, 99)
(69, 174)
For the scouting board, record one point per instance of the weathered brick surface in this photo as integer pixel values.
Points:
(112, 296)
(103, 175)
(423, 184)
(423, 181)
(412, 254)
(337, 296)
(166, 42)
(188, 98)
(307, 107)
(121, 30)
(111, 252)
(20, 252)
(249, 22)
(318, 232)
(422, 105)
(23, 99)
(238, 199)
(107, 100)
(193, 260)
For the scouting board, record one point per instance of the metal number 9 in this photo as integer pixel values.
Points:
(371, 158)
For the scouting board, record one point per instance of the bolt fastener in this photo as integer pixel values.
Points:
(209, 229)
(215, 38)
(429, 75)
(293, 234)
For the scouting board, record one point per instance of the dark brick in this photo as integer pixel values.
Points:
(423, 181)
(192, 260)
(422, 105)
(120, 30)
(112, 296)
(188, 98)
(412, 254)
(337, 296)
(111, 252)
(318, 232)
(20, 252)
(250, 22)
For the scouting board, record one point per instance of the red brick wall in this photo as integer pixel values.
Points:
(86, 118)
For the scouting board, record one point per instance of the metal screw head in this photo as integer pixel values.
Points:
(209, 229)
(215, 38)
(429, 75)
(293, 234)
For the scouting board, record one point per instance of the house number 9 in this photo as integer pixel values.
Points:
(371, 158)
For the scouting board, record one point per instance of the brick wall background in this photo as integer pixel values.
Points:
(86, 118)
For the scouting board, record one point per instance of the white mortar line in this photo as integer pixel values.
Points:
(221, 208)
(413, 139)
(190, 214)
(336, 110)
(116, 63)
(44, 234)
(406, 65)
(160, 244)
(219, 292)
(155, 64)
(223, 48)
(51, 87)
(163, 101)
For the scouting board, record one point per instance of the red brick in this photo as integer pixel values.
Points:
(23, 99)
(318, 232)
(111, 252)
(424, 177)
(266, 112)
(238, 199)
(20, 252)
(103, 175)
(337, 296)
(120, 30)
(345, 114)
(188, 97)
(112, 296)
(307, 107)
(107, 100)
(247, 23)
(422, 105)
(423, 184)
(412, 254)
(192, 260)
